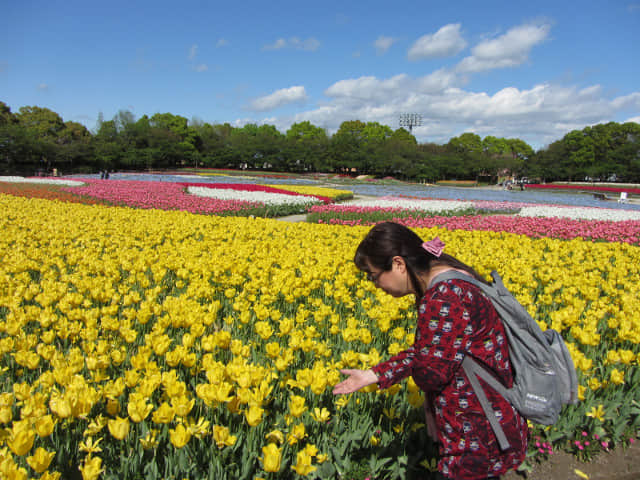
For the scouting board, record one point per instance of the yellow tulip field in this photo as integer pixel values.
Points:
(150, 344)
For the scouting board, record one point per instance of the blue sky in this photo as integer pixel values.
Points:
(531, 70)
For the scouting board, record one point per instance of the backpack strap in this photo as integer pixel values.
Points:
(473, 369)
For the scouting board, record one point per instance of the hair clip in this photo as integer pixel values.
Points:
(434, 247)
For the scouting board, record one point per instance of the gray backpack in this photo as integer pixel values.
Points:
(545, 377)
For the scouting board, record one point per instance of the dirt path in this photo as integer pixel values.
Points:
(620, 464)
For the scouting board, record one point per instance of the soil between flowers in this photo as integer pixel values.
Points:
(620, 464)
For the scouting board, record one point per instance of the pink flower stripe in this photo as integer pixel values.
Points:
(536, 227)
(249, 187)
(160, 195)
(594, 188)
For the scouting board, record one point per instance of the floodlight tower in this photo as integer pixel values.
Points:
(410, 120)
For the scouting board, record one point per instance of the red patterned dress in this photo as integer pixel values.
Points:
(456, 319)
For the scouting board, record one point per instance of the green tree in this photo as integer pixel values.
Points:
(398, 155)
(357, 147)
(76, 147)
(16, 145)
(307, 147)
(173, 141)
(466, 143)
(471, 161)
(108, 149)
(346, 147)
(43, 127)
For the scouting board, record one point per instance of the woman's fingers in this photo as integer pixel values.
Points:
(356, 379)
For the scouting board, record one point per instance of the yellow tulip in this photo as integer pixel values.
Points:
(179, 436)
(271, 458)
(198, 429)
(321, 415)
(150, 441)
(182, 405)
(222, 437)
(297, 405)
(6, 414)
(91, 468)
(40, 459)
(254, 415)
(138, 408)
(118, 427)
(21, 439)
(163, 414)
(296, 434)
(89, 446)
(617, 377)
(44, 426)
(50, 476)
(597, 412)
(60, 405)
(275, 436)
(95, 426)
(594, 383)
(113, 406)
(303, 464)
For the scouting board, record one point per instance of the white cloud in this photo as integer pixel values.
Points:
(193, 51)
(633, 119)
(383, 44)
(508, 50)
(445, 42)
(367, 88)
(222, 42)
(628, 101)
(310, 44)
(538, 115)
(277, 45)
(43, 87)
(279, 98)
(202, 67)
(436, 82)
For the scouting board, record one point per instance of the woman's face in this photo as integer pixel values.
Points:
(395, 281)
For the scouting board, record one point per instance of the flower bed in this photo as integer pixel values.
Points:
(531, 220)
(150, 343)
(330, 194)
(584, 186)
(41, 181)
(310, 194)
(160, 195)
(175, 196)
(48, 190)
(254, 195)
(581, 213)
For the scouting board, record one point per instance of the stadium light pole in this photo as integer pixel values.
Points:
(410, 120)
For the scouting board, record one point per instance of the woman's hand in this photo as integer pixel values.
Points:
(356, 380)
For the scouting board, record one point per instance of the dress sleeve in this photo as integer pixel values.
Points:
(440, 342)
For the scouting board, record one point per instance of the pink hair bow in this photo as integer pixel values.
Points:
(434, 247)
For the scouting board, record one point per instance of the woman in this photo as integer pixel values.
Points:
(454, 319)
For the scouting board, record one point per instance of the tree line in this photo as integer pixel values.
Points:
(36, 139)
